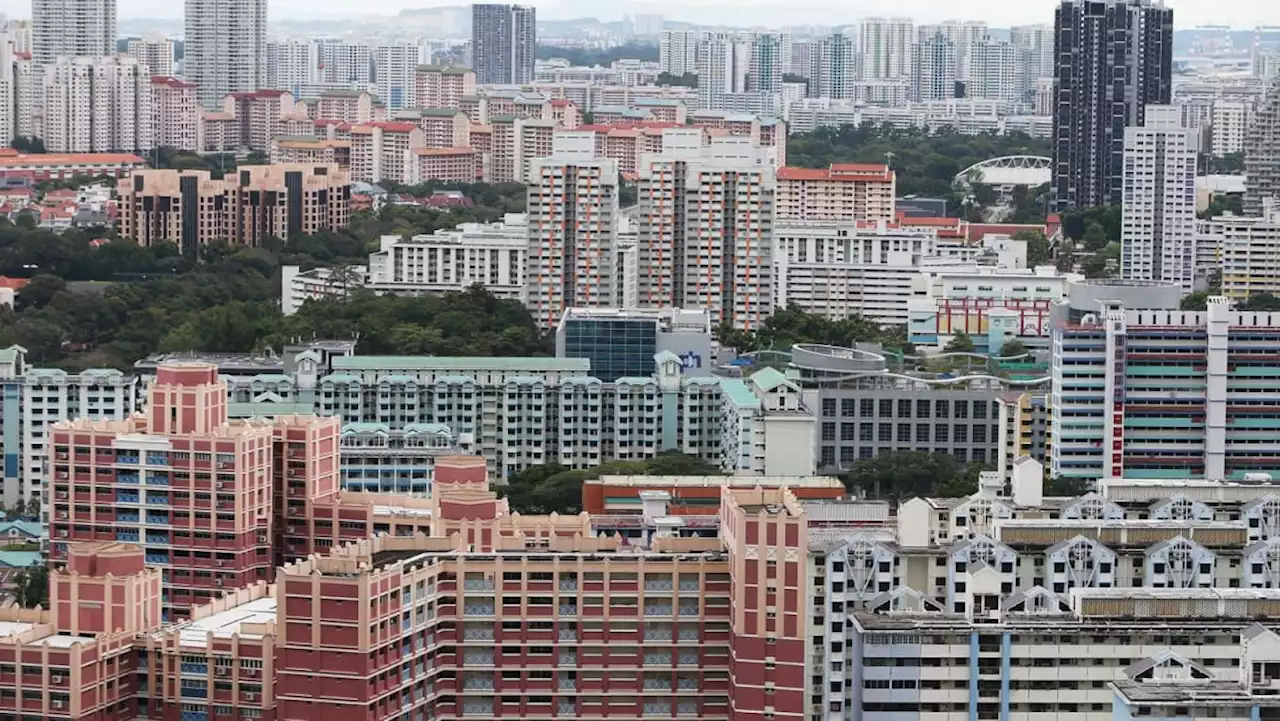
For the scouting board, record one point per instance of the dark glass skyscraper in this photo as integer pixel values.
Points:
(504, 39)
(1113, 58)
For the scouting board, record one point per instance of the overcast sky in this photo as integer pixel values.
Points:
(999, 13)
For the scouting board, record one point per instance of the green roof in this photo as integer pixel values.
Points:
(438, 112)
(770, 378)
(34, 529)
(739, 394)
(366, 428)
(458, 364)
(267, 409)
(20, 559)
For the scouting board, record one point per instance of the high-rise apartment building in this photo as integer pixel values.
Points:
(678, 51)
(504, 39)
(995, 73)
(1114, 59)
(1158, 231)
(443, 86)
(345, 63)
(292, 64)
(848, 192)
(964, 35)
(155, 53)
(770, 56)
(724, 61)
(885, 47)
(8, 86)
(175, 108)
(1035, 48)
(573, 225)
(395, 71)
(708, 214)
(225, 47)
(72, 29)
(97, 105)
(1229, 122)
(933, 69)
(1262, 155)
(837, 68)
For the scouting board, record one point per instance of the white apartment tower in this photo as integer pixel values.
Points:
(724, 61)
(8, 88)
(965, 35)
(1228, 126)
(837, 68)
(226, 47)
(995, 73)
(770, 57)
(678, 51)
(155, 53)
(292, 64)
(175, 110)
(1158, 230)
(573, 225)
(704, 241)
(933, 69)
(348, 64)
(396, 67)
(886, 48)
(97, 105)
(72, 29)
(1035, 45)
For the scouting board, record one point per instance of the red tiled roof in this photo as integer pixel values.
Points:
(561, 103)
(393, 126)
(14, 284)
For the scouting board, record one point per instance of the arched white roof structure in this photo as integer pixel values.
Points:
(1029, 170)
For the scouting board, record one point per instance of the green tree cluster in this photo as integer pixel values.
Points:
(31, 586)
(24, 144)
(897, 475)
(926, 164)
(1038, 250)
(552, 488)
(688, 80)
(647, 52)
(791, 325)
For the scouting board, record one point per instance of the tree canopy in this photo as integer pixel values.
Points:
(109, 304)
(897, 475)
(926, 164)
(688, 80)
(552, 488)
(645, 52)
(791, 325)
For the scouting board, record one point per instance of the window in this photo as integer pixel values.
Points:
(886, 432)
(962, 409)
(846, 407)
(886, 409)
(922, 433)
(904, 409)
(848, 431)
(941, 432)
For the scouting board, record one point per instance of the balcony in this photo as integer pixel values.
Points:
(478, 584)
(568, 609)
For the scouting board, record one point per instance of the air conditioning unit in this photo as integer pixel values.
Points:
(57, 703)
(57, 679)
(262, 539)
(221, 670)
(217, 582)
(220, 484)
(221, 563)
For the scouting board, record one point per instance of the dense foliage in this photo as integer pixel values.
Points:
(791, 325)
(552, 488)
(688, 80)
(27, 145)
(902, 474)
(110, 304)
(926, 164)
(645, 52)
(31, 586)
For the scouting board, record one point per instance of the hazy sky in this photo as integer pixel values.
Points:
(1188, 13)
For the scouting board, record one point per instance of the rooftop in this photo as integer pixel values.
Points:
(60, 640)
(476, 364)
(10, 628)
(228, 623)
(19, 159)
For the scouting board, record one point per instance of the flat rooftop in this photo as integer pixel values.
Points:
(60, 640)
(228, 623)
(9, 628)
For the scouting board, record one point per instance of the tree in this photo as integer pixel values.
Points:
(552, 488)
(40, 290)
(645, 52)
(1196, 301)
(27, 145)
(900, 474)
(1095, 237)
(1037, 246)
(31, 586)
(33, 508)
(1261, 302)
(688, 80)
(1012, 348)
(1060, 487)
(960, 343)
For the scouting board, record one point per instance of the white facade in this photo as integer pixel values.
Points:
(1035, 42)
(723, 63)
(97, 105)
(722, 241)
(1245, 249)
(678, 51)
(225, 47)
(965, 35)
(8, 87)
(72, 29)
(837, 65)
(292, 64)
(934, 69)
(766, 430)
(1228, 126)
(1158, 231)
(573, 224)
(155, 53)
(175, 108)
(995, 73)
(396, 67)
(885, 46)
(487, 254)
(346, 64)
